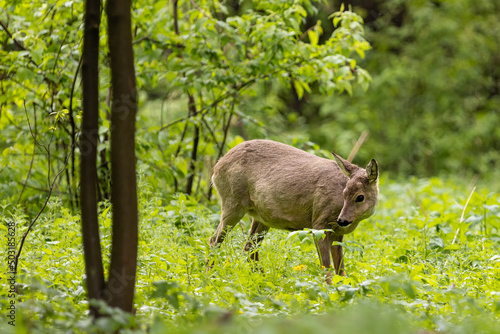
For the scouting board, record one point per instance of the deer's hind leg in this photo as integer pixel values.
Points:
(230, 216)
(256, 236)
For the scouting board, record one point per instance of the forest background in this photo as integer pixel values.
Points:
(415, 83)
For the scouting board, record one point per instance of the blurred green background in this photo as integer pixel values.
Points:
(433, 107)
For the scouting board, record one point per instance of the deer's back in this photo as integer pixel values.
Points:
(279, 184)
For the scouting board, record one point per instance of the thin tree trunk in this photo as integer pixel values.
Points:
(194, 151)
(88, 153)
(191, 112)
(221, 148)
(74, 200)
(121, 282)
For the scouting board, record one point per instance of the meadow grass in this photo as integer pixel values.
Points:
(421, 262)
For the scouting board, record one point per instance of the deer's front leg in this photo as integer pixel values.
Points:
(337, 255)
(323, 248)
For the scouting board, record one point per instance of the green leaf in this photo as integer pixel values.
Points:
(452, 247)
(298, 89)
(318, 234)
(303, 234)
(182, 166)
(37, 56)
(336, 21)
(313, 37)
(25, 74)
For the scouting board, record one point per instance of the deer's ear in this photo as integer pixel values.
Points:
(346, 167)
(372, 171)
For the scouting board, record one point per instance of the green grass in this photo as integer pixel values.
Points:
(404, 273)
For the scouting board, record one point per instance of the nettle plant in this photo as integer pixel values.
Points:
(215, 61)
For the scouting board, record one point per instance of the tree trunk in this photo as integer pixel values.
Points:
(194, 151)
(121, 282)
(88, 153)
(192, 113)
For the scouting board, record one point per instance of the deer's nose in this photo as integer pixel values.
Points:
(343, 223)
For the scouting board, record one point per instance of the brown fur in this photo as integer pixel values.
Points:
(286, 188)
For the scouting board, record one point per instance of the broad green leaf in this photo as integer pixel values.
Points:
(313, 37)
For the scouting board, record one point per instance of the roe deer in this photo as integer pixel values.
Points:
(283, 187)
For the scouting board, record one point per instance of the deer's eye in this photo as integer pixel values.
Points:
(360, 198)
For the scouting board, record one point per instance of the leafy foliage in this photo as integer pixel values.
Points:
(219, 61)
(433, 104)
(39, 97)
(405, 261)
(199, 59)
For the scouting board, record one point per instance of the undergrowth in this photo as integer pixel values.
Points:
(423, 261)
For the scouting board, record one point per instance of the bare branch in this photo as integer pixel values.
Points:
(463, 213)
(206, 109)
(12, 37)
(51, 187)
(358, 144)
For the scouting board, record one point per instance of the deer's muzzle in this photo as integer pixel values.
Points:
(343, 223)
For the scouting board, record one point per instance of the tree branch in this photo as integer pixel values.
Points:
(204, 110)
(51, 187)
(12, 37)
